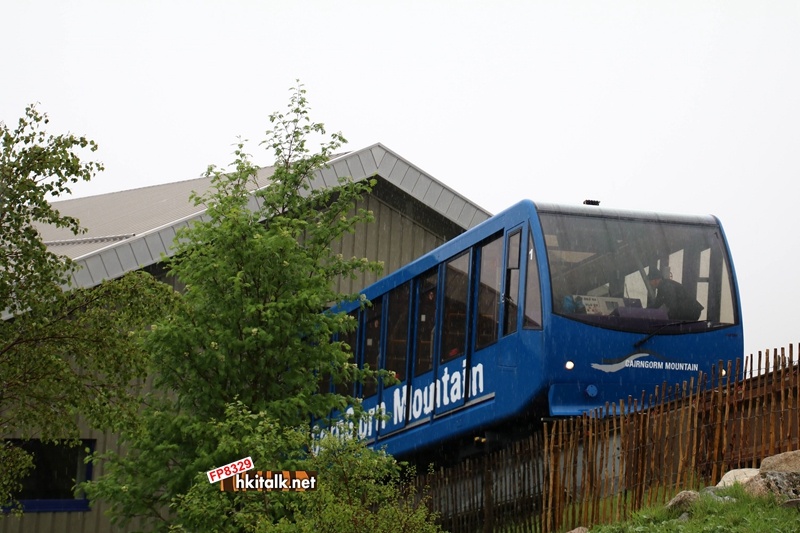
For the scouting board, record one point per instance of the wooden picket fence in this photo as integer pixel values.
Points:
(639, 452)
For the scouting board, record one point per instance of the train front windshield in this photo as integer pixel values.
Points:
(611, 270)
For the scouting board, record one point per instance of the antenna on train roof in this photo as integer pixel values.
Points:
(591, 202)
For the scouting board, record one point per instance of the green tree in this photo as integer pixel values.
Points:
(360, 491)
(63, 351)
(258, 273)
(35, 166)
(251, 331)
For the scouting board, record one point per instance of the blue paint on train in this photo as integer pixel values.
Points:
(542, 310)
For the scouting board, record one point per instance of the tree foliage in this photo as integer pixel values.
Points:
(63, 351)
(359, 490)
(35, 166)
(258, 273)
(238, 364)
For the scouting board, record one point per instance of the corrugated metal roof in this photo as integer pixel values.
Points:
(131, 229)
(121, 215)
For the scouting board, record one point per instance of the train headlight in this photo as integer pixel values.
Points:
(570, 365)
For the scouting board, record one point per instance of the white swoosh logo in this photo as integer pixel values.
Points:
(616, 367)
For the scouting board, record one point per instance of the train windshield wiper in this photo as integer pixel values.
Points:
(649, 336)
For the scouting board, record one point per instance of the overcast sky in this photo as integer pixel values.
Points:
(674, 106)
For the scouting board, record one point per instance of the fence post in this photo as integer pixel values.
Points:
(488, 500)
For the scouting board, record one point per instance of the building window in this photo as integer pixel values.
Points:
(58, 468)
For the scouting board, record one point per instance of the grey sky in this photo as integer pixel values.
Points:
(676, 106)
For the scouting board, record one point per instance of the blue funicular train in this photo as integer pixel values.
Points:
(540, 311)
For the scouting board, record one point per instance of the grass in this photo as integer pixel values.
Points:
(740, 512)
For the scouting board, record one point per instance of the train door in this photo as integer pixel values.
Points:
(341, 384)
(489, 311)
(371, 348)
(476, 315)
(394, 397)
(451, 374)
(413, 403)
(346, 388)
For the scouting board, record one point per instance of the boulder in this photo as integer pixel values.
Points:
(778, 474)
(683, 500)
(740, 475)
(786, 485)
(783, 462)
(756, 486)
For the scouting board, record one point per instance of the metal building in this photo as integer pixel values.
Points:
(131, 229)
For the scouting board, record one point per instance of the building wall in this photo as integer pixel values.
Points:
(395, 238)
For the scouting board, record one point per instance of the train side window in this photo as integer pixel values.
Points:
(454, 325)
(372, 346)
(426, 322)
(511, 301)
(533, 296)
(351, 339)
(397, 346)
(491, 265)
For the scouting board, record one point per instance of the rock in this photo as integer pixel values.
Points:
(714, 496)
(740, 475)
(785, 485)
(779, 475)
(783, 462)
(792, 503)
(683, 500)
(579, 530)
(756, 486)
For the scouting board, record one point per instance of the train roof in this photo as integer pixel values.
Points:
(625, 214)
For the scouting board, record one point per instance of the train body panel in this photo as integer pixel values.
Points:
(542, 311)
(609, 366)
